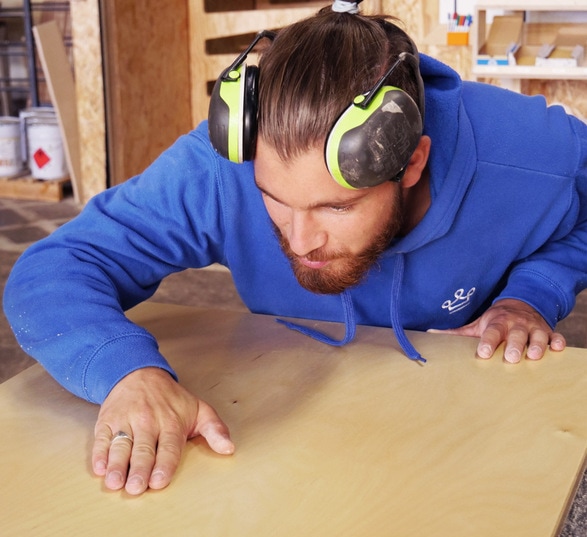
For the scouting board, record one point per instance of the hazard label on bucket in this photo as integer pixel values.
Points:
(41, 158)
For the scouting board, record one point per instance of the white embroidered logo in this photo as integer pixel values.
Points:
(461, 301)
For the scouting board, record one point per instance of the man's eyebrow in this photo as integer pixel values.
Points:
(318, 205)
(268, 194)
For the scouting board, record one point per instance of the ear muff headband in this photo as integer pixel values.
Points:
(373, 139)
(232, 113)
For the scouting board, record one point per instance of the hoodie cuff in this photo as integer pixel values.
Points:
(543, 294)
(116, 359)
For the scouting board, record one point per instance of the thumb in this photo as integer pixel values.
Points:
(467, 330)
(213, 430)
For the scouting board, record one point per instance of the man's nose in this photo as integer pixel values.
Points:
(304, 234)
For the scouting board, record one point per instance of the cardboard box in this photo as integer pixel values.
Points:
(568, 49)
(525, 55)
(503, 40)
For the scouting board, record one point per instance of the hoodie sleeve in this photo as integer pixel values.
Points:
(550, 278)
(66, 296)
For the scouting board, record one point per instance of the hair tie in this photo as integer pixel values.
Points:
(343, 6)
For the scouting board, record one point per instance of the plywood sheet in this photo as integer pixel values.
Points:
(330, 441)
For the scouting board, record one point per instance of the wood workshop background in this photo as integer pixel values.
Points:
(144, 88)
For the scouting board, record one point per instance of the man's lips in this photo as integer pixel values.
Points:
(312, 264)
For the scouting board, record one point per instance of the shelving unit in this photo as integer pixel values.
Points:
(25, 88)
(23, 84)
(511, 75)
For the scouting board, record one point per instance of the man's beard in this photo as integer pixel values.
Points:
(344, 269)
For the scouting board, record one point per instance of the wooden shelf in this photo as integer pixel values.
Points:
(533, 5)
(533, 35)
(530, 72)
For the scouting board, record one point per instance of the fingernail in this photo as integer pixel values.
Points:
(157, 477)
(225, 447)
(114, 480)
(484, 351)
(135, 484)
(534, 353)
(513, 356)
(100, 467)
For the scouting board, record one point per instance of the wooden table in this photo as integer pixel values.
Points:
(357, 441)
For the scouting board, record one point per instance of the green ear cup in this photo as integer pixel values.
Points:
(224, 114)
(232, 114)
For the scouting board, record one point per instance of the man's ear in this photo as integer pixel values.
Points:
(417, 163)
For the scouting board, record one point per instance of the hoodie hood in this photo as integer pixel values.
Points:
(452, 153)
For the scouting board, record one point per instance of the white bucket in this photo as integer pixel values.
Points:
(10, 143)
(46, 155)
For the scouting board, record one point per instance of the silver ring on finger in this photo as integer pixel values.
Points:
(121, 435)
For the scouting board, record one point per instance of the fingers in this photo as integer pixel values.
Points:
(169, 449)
(214, 430)
(557, 342)
(145, 462)
(151, 458)
(100, 450)
(111, 456)
(518, 342)
(490, 339)
(515, 345)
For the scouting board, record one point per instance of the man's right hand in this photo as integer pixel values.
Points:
(159, 416)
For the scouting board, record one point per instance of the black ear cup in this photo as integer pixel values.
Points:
(232, 114)
(369, 146)
(373, 140)
(249, 108)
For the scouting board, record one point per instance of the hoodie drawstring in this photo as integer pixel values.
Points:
(350, 324)
(402, 339)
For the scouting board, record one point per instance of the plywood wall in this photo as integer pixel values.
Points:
(147, 64)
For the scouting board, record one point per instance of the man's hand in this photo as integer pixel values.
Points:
(159, 416)
(516, 323)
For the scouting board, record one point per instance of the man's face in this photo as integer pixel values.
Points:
(331, 235)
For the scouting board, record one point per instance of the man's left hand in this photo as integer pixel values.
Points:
(517, 324)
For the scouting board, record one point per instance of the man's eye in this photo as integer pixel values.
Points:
(340, 208)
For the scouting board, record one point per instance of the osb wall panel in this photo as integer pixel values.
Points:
(87, 57)
(572, 94)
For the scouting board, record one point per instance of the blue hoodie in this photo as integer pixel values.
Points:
(508, 219)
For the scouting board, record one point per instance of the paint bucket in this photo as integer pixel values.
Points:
(45, 151)
(10, 147)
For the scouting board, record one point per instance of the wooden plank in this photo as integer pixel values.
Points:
(29, 188)
(49, 43)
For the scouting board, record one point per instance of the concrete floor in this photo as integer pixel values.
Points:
(24, 222)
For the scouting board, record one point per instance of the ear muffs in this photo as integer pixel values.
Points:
(370, 143)
(232, 114)
(373, 140)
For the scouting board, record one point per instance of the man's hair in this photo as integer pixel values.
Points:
(315, 68)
